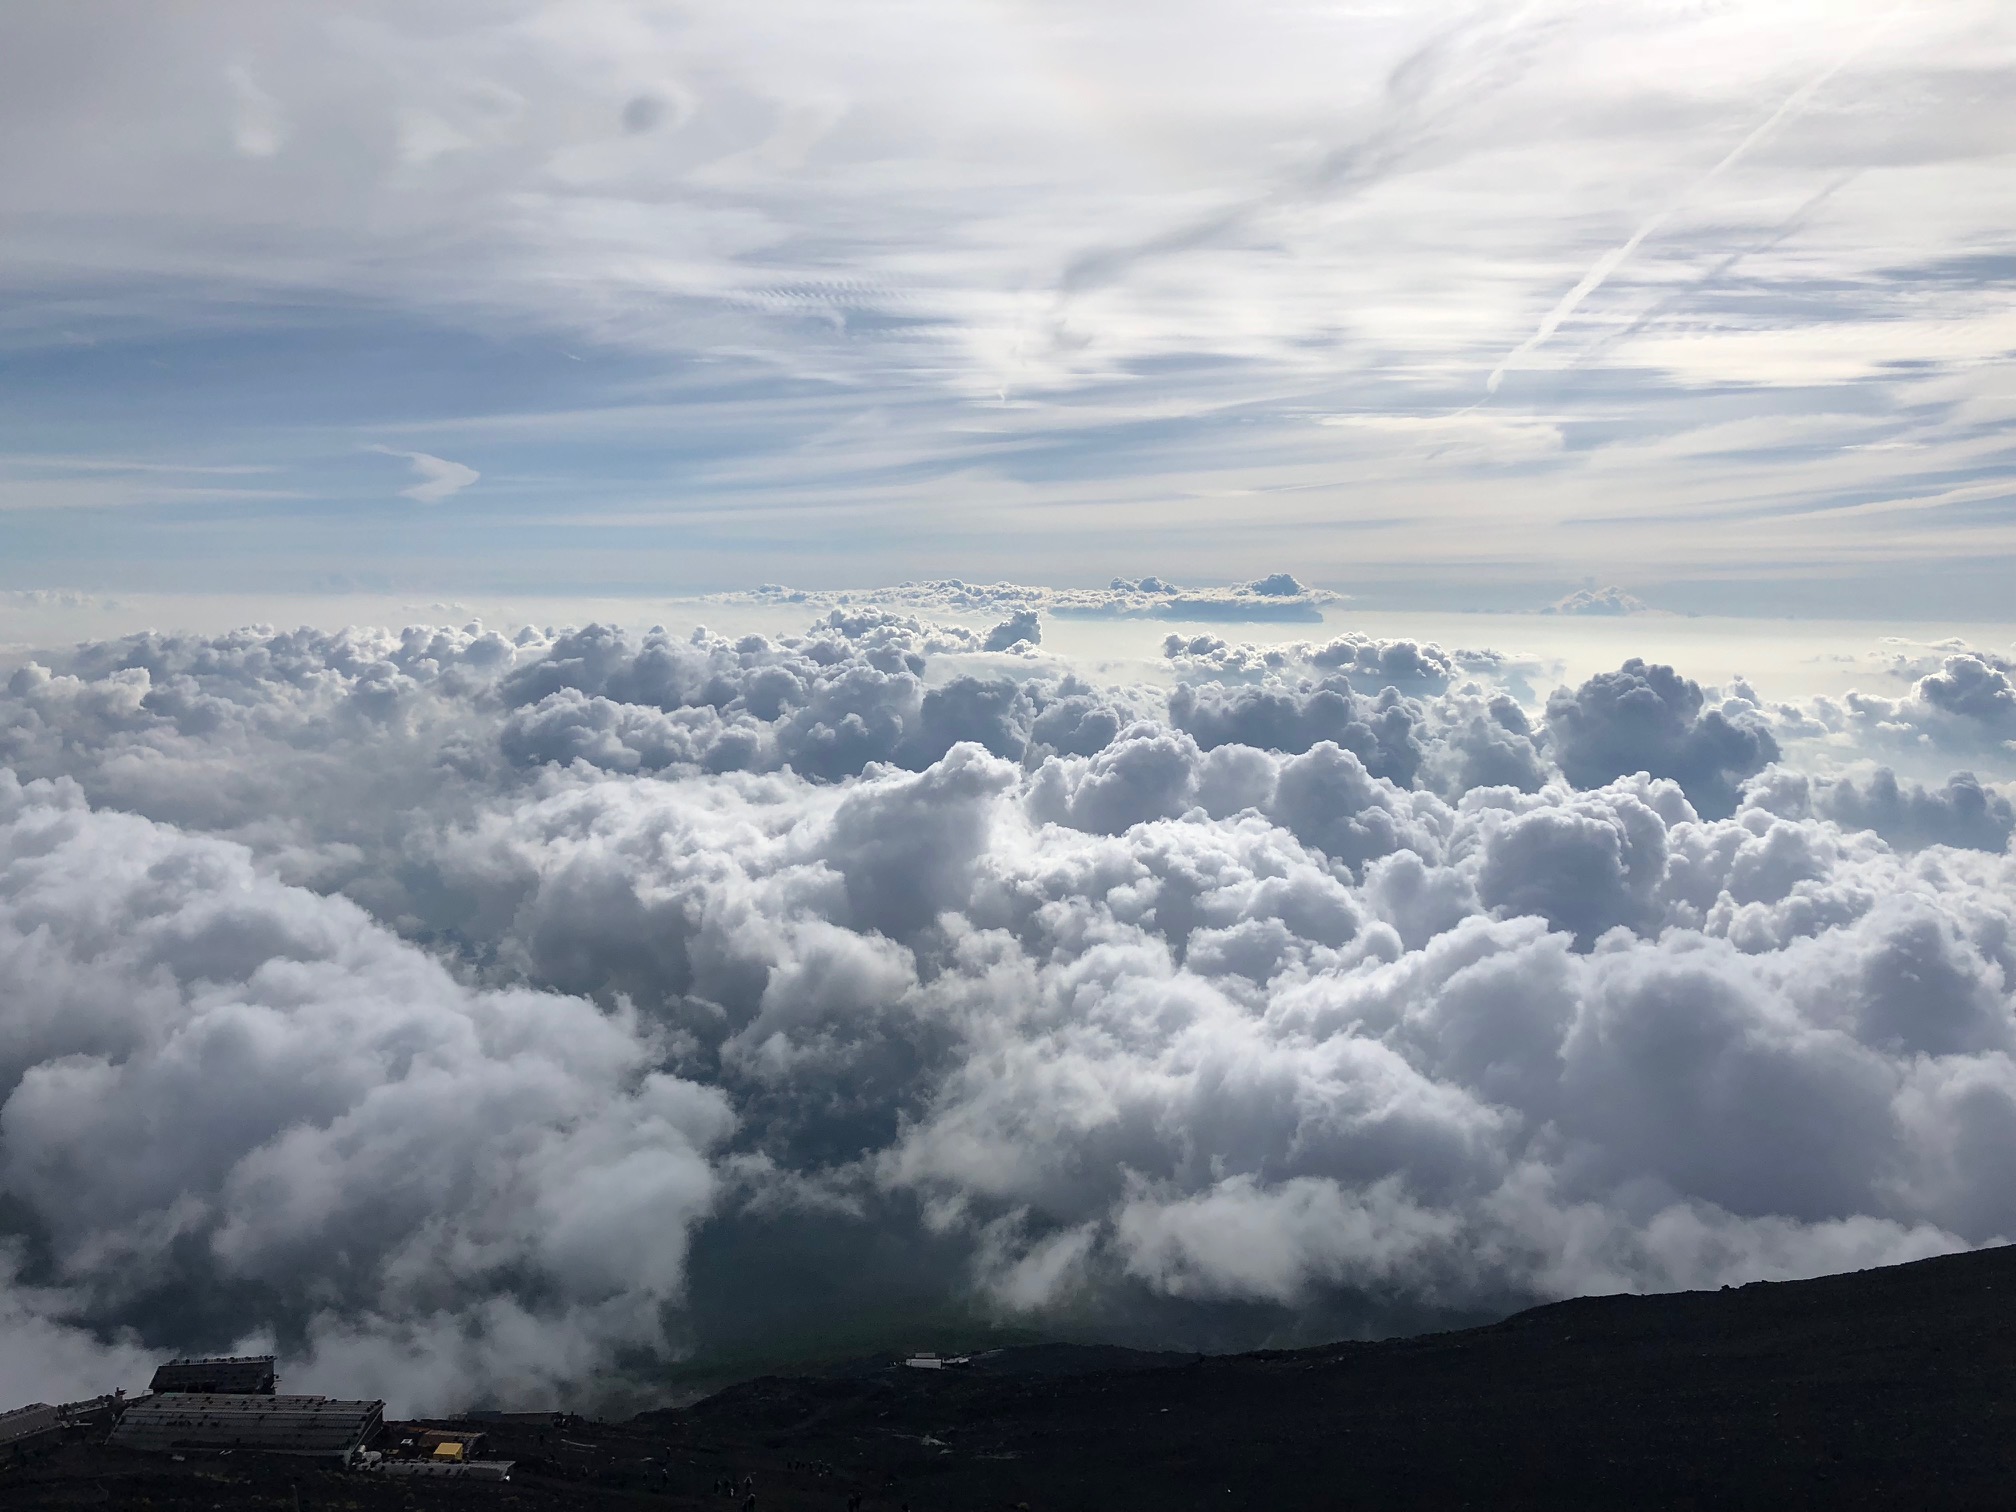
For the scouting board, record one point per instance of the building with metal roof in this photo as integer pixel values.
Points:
(27, 1427)
(468, 1441)
(250, 1374)
(271, 1424)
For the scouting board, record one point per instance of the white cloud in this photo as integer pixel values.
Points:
(571, 981)
(1094, 260)
(1608, 264)
(259, 131)
(350, 1125)
(1277, 596)
(439, 478)
(1597, 601)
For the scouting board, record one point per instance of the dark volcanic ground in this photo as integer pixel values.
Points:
(1888, 1388)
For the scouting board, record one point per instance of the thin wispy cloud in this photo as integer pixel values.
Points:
(1611, 261)
(34, 483)
(439, 478)
(1033, 257)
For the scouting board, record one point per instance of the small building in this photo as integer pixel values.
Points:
(28, 1428)
(467, 1442)
(310, 1425)
(250, 1375)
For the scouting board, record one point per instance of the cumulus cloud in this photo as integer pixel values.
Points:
(1650, 719)
(825, 705)
(484, 1018)
(1962, 812)
(218, 1084)
(1597, 601)
(1967, 704)
(1278, 596)
(1024, 627)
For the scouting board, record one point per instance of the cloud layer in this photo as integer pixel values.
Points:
(478, 1018)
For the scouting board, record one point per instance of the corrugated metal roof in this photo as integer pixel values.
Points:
(216, 1373)
(27, 1422)
(276, 1424)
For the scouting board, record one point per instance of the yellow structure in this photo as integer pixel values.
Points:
(448, 1450)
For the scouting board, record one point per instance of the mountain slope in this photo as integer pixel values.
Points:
(1871, 1389)
(1884, 1388)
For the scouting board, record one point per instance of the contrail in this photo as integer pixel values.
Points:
(1790, 226)
(1614, 259)
(1421, 91)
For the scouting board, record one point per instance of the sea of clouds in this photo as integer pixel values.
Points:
(476, 1018)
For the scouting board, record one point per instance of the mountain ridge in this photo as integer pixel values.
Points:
(1876, 1388)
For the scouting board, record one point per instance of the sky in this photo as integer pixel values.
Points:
(683, 687)
(1442, 305)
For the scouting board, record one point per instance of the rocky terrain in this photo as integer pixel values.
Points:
(1884, 1388)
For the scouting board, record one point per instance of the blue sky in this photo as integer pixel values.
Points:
(1449, 305)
